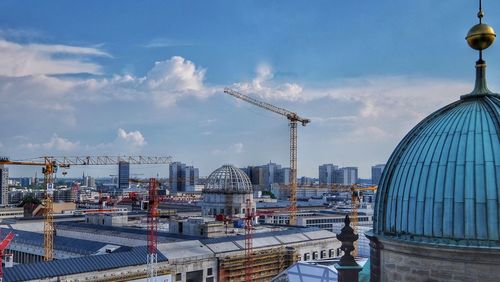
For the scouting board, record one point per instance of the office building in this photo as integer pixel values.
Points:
(350, 175)
(271, 173)
(25, 181)
(326, 174)
(123, 175)
(182, 178)
(377, 173)
(191, 175)
(284, 176)
(268, 174)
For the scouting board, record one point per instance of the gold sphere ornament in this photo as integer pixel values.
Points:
(480, 36)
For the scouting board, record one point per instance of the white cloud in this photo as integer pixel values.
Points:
(133, 138)
(18, 60)
(124, 143)
(236, 148)
(55, 143)
(207, 122)
(165, 42)
(25, 90)
(333, 119)
(172, 79)
(263, 86)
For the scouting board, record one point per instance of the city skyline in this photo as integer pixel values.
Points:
(109, 86)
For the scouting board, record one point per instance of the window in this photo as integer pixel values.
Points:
(178, 277)
(306, 257)
(315, 255)
(209, 271)
(331, 253)
(210, 279)
(323, 254)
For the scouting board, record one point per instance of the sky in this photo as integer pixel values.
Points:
(147, 78)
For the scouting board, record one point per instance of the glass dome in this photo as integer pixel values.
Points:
(228, 178)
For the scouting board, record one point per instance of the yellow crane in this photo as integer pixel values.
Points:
(50, 164)
(293, 119)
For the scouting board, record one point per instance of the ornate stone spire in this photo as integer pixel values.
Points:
(347, 268)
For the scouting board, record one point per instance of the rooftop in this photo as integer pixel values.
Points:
(55, 268)
(67, 244)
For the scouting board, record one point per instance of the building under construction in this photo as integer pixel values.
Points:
(93, 249)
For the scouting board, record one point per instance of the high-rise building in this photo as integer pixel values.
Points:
(304, 180)
(175, 176)
(268, 174)
(327, 174)
(4, 185)
(257, 175)
(271, 173)
(25, 181)
(377, 173)
(90, 181)
(123, 175)
(338, 176)
(191, 176)
(350, 175)
(182, 178)
(284, 176)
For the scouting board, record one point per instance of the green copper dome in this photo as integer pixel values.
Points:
(442, 182)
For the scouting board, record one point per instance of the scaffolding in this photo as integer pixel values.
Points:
(266, 264)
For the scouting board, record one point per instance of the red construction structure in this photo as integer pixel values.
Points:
(152, 256)
(3, 245)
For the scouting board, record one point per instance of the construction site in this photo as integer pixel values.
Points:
(221, 234)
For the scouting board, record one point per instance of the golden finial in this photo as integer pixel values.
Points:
(480, 36)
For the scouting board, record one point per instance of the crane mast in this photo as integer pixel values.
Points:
(50, 164)
(294, 119)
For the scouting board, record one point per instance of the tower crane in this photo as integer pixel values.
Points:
(50, 164)
(293, 119)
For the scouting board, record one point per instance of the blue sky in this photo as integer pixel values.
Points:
(146, 77)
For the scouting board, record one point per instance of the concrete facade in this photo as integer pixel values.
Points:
(404, 261)
(108, 219)
(200, 227)
(226, 203)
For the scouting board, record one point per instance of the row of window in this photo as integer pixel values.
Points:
(331, 220)
(236, 211)
(332, 253)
